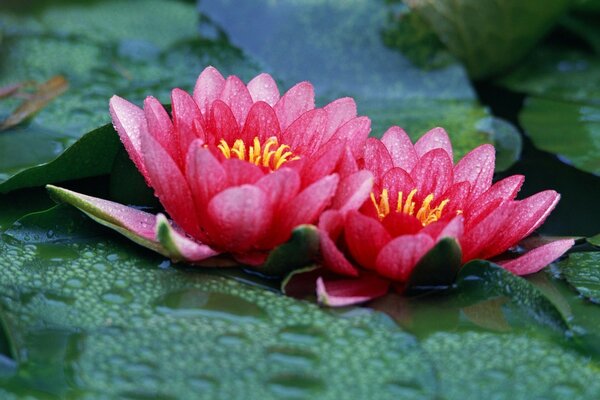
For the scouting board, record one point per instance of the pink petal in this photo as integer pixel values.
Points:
(344, 292)
(364, 236)
(130, 122)
(261, 122)
(206, 176)
(310, 203)
(322, 163)
(484, 233)
(330, 226)
(536, 259)
(222, 124)
(458, 195)
(241, 172)
(295, 102)
(338, 112)
(400, 148)
(437, 138)
(354, 133)
(353, 191)
(377, 159)
(505, 189)
(399, 224)
(209, 86)
(453, 228)
(397, 180)
(235, 94)
(433, 173)
(477, 168)
(398, 258)
(281, 186)
(187, 120)
(179, 246)
(161, 127)
(305, 133)
(264, 88)
(347, 164)
(238, 217)
(527, 215)
(170, 186)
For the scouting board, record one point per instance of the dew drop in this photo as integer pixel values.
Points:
(295, 386)
(117, 296)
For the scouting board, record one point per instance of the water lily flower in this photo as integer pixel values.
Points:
(235, 166)
(419, 198)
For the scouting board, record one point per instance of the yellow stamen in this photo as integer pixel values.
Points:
(259, 154)
(425, 214)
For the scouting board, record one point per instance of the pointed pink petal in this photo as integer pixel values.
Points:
(354, 133)
(527, 215)
(397, 180)
(209, 86)
(281, 186)
(295, 102)
(187, 120)
(238, 217)
(398, 258)
(506, 189)
(305, 133)
(437, 138)
(241, 172)
(353, 191)
(399, 224)
(453, 228)
(477, 168)
(400, 148)
(377, 159)
(222, 124)
(481, 235)
(322, 163)
(536, 259)
(338, 112)
(235, 94)
(170, 186)
(161, 128)
(130, 122)
(264, 88)
(206, 176)
(364, 236)
(458, 195)
(345, 292)
(180, 247)
(433, 173)
(261, 123)
(310, 203)
(330, 226)
(347, 164)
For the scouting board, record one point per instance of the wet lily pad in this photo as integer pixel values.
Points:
(582, 271)
(98, 316)
(98, 59)
(570, 130)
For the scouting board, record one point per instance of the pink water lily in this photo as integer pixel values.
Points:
(419, 197)
(238, 166)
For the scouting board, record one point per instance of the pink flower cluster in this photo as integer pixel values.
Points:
(237, 167)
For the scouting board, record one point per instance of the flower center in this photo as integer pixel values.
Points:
(270, 154)
(425, 214)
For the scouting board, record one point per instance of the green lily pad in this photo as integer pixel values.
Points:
(582, 271)
(481, 278)
(99, 317)
(98, 59)
(509, 366)
(387, 86)
(438, 268)
(570, 130)
(595, 240)
(468, 27)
